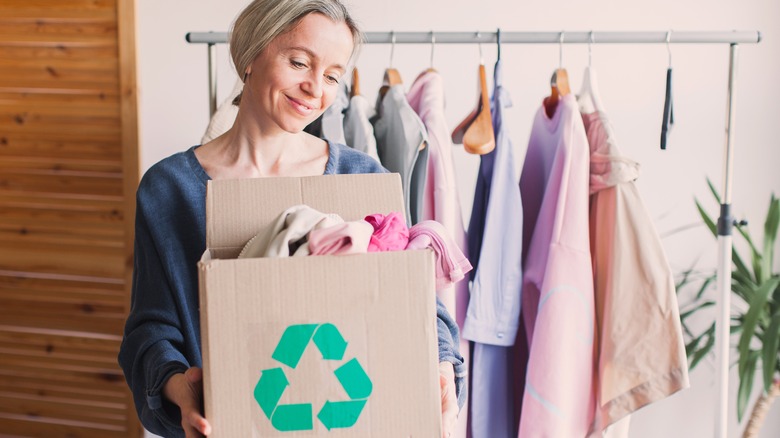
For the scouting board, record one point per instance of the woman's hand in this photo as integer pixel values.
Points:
(449, 401)
(186, 391)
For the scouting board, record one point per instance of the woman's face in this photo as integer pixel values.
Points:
(295, 78)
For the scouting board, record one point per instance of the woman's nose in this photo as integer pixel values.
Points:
(313, 85)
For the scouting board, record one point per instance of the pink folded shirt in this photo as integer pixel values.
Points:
(451, 264)
(347, 238)
(390, 232)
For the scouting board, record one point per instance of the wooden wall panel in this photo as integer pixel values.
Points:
(49, 9)
(68, 173)
(12, 28)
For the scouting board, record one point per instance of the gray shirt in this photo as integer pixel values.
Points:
(399, 135)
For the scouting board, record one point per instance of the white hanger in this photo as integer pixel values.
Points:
(589, 98)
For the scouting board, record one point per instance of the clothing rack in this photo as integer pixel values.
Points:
(725, 221)
(558, 37)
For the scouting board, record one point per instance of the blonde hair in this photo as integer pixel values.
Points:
(263, 20)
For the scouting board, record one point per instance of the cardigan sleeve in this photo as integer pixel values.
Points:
(449, 351)
(151, 350)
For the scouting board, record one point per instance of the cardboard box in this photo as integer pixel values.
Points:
(336, 346)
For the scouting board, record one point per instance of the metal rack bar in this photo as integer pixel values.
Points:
(570, 37)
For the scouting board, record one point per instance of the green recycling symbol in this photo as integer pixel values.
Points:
(334, 414)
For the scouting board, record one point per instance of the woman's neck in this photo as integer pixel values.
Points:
(250, 150)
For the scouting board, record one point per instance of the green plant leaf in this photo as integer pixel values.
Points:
(688, 333)
(706, 218)
(684, 280)
(713, 190)
(755, 257)
(697, 355)
(696, 308)
(744, 278)
(771, 350)
(757, 307)
(746, 292)
(746, 382)
(775, 302)
(770, 232)
(746, 235)
(742, 269)
(691, 347)
(705, 285)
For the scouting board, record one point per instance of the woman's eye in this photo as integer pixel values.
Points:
(297, 64)
(332, 79)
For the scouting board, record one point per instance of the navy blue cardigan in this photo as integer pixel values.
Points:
(162, 332)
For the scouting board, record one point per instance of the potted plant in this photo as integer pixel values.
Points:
(755, 317)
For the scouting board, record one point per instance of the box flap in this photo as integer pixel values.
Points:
(236, 210)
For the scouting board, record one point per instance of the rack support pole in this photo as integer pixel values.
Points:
(725, 229)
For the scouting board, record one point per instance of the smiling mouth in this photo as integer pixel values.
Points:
(300, 106)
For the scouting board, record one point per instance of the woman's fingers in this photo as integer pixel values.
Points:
(189, 430)
(188, 394)
(194, 376)
(449, 401)
(194, 424)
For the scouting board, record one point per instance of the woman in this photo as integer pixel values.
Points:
(292, 55)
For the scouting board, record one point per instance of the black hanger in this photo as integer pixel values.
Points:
(498, 44)
(666, 126)
(668, 121)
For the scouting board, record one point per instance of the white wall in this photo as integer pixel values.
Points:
(174, 110)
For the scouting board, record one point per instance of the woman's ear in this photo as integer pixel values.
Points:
(247, 72)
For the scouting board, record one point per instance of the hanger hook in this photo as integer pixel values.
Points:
(560, 50)
(591, 40)
(498, 43)
(668, 47)
(433, 46)
(392, 47)
(479, 43)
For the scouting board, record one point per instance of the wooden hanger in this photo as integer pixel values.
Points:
(479, 138)
(475, 132)
(460, 130)
(392, 76)
(355, 89)
(559, 85)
